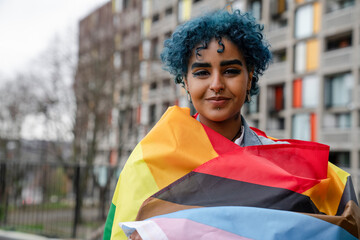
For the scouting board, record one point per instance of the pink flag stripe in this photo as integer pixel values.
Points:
(180, 229)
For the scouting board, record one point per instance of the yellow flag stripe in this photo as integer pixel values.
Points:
(327, 194)
(134, 186)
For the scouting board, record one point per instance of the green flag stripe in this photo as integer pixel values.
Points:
(109, 222)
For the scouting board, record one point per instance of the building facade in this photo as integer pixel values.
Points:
(95, 120)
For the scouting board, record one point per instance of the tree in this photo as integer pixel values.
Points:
(94, 90)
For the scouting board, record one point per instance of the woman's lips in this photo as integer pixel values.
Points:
(218, 101)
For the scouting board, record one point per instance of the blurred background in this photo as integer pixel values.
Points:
(81, 83)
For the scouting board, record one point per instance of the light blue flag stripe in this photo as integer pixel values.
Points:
(262, 223)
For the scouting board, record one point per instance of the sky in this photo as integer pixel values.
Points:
(27, 27)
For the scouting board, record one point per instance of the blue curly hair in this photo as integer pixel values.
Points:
(240, 29)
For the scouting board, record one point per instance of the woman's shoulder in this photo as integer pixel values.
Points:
(254, 136)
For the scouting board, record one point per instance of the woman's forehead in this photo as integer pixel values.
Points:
(209, 50)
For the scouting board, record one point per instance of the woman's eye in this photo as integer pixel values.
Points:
(232, 71)
(201, 73)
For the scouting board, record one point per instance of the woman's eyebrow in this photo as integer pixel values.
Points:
(231, 62)
(199, 64)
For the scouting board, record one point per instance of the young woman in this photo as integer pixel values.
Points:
(211, 176)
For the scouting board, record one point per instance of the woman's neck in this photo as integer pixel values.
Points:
(227, 128)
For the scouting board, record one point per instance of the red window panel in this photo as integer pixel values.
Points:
(313, 127)
(279, 98)
(113, 157)
(297, 93)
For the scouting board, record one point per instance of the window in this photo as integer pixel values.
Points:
(241, 5)
(130, 119)
(337, 120)
(277, 7)
(338, 90)
(253, 106)
(152, 114)
(279, 56)
(307, 20)
(167, 35)
(306, 92)
(118, 5)
(146, 46)
(306, 57)
(166, 83)
(255, 8)
(153, 85)
(334, 5)
(275, 99)
(117, 60)
(339, 41)
(126, 4)
(340, 159)
(145, 27)
(275, 123)
(304, 126)
(154, 48)
(278, 23)
(165, 106)
(145, 8)
(134, 58)
(255, 123)
(155, 18)
(168, 11)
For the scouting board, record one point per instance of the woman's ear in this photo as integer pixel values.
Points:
(250, 80)
(186, 86)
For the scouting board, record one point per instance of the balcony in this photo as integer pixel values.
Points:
(205, 6)
(154, 93)
(337, 138)
(156, 70)
(164, 25)
(130, 18)
(277, 38)
(340, 19)
(276, 72)
(279, 134)
(131, 39)
(339, 59)
(168, 93)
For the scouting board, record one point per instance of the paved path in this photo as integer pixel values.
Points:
(8, 235)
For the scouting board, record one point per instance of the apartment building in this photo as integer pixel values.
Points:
(311, 90)
(127, 40)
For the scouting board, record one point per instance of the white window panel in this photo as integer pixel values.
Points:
(300, 57)
(301, 127)
(310, 91)
(146, 49)
(240, 4)
(118, 5)
(304, 21)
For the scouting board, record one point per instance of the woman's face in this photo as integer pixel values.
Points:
(217, 82)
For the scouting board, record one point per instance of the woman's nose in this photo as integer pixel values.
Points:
(217, 84)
